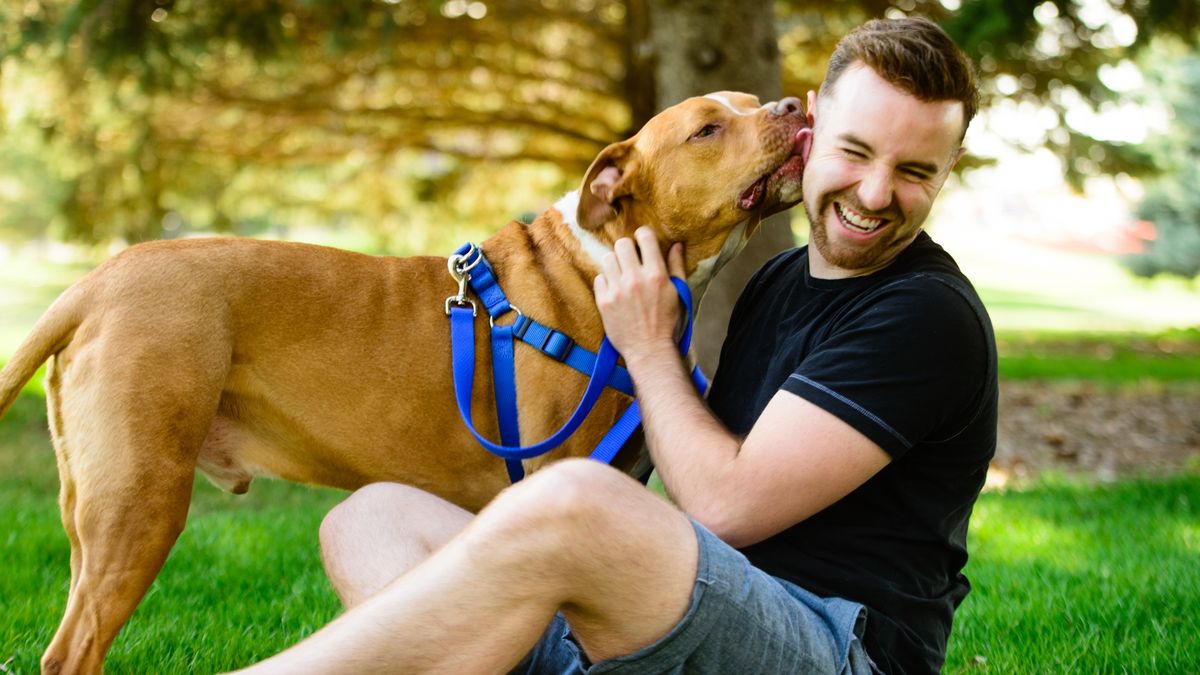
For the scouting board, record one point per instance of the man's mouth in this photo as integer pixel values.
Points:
(856, 221)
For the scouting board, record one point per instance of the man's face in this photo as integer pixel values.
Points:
(879, 157)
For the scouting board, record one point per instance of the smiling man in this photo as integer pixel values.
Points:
(853, 415)
(823, 492)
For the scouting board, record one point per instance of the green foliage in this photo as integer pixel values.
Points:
(164, 118)
(138, 119)
(32, 195)
(1172, 202)
(1173, 205)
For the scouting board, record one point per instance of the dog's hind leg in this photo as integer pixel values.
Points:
(127, 454)
(66, 494)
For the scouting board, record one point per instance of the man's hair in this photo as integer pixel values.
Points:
(913, 54)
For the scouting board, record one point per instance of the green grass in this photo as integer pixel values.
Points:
(1168, 356)
(243, 581)
(1068, 578)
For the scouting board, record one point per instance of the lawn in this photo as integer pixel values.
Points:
(1068, 576)
(243, 581)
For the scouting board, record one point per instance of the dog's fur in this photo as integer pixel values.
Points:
(248, 358)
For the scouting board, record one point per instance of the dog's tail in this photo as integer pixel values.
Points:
(49, 336)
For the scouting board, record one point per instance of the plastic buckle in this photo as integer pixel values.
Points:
(562, 346)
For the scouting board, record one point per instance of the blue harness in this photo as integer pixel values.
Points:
(469, 267)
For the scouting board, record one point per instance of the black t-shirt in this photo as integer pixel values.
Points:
(907, 357)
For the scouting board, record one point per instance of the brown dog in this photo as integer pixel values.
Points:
(249, 358)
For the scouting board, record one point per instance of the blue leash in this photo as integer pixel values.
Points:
(468, 265)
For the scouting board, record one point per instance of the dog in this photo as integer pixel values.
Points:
(245, 358)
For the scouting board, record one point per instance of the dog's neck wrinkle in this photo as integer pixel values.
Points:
(540, 270)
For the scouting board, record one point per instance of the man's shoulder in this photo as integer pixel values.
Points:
(926, 255)
(926, 268)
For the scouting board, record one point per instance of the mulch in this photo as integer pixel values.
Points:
(1096, 432)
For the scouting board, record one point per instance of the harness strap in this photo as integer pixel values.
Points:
(631, 419)
(483, 280)
(561, 347)
(601, 367)
(504, 384)
(462, 335)
(553, 343)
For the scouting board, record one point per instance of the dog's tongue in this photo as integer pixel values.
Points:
(752, 195)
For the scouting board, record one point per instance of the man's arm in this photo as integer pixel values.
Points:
(796, 460)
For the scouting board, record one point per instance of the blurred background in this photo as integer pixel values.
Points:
(405, 127)
(409, 126)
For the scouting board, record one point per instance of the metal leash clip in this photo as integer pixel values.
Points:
(459, 266)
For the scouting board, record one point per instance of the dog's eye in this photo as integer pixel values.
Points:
(706, 130)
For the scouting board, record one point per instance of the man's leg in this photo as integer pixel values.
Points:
(381, 532)
(578, 536)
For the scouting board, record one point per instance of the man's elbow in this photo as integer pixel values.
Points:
(727, 522)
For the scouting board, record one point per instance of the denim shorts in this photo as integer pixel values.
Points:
(740, 620)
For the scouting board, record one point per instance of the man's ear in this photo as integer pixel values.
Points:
(958, 154)
(608, 179)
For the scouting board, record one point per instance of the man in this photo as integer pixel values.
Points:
(852, 420)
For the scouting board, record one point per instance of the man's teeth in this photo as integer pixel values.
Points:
(857, 222)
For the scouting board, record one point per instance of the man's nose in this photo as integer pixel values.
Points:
(787, 106)
(875, 191)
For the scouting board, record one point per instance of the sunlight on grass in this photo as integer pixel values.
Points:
(1190, 536)
(1069, 577)
(28, 284)
(1028, 286)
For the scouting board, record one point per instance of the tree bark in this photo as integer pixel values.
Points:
(701, 46)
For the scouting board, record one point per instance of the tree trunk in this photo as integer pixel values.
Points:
(701, 46)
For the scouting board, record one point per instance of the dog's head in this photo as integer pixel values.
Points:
(703, 172)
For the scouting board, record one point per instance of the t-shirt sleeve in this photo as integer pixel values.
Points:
(910, 366)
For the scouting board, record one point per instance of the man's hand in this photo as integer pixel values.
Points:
(637, 302)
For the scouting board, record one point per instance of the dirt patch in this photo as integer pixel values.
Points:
(1094, 431)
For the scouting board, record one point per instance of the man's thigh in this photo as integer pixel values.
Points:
(739, 620)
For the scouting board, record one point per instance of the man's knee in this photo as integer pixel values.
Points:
(357, 516)
(576, 500)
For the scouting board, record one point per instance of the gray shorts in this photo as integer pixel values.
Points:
(740, 620)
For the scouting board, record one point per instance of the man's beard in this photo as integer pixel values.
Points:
(847, 257)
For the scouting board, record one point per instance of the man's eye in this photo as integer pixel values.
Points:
(853, 153)
(706, 130)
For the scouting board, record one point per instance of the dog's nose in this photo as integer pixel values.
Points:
(788, 106)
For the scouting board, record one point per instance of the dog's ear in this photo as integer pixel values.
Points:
(608, 179)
